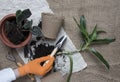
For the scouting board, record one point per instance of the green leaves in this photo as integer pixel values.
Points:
(22, 15)
(71, 68)
(18, 12)
(36, 31)
(92, 38)
(28, 24)
(83, 22)
(103, 41)
(82, 27)
(89, 39)
(100, 57)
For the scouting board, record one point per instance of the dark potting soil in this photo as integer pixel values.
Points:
(14, 34)
(44, 50)
(41, 50)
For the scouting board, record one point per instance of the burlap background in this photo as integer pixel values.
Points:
(104, 13)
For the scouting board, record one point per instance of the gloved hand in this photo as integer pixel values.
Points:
(34, 67)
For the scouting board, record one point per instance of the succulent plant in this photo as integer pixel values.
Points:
(21, 16)
(21, 26)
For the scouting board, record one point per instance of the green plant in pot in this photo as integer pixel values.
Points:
(16, 29)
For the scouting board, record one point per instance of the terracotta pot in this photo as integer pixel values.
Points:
(3, 37)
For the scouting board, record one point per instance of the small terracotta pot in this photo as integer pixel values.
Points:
(3, 37)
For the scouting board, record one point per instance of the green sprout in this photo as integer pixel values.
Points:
(88, 40)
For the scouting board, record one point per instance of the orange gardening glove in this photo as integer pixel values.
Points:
(34, 67)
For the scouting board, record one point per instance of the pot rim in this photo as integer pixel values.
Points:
(3, 37)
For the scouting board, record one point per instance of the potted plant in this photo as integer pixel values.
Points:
(15, 29)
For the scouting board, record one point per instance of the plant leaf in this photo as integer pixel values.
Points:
(18, 12)
(100, 57)
(23, 15)
(103, 41)
(93, 36)
(83, 22)
(71, 68)
(27, 13)
(82, 45)
(36, 31)
(82, 29)
(28, 24)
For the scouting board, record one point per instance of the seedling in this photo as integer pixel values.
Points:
(88, 40)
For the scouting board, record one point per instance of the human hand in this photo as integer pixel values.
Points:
(34, 67)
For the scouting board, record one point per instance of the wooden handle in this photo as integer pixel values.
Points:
(19, 64)
(52, 54)
(29, 75)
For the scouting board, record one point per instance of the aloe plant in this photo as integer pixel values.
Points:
(92, 38)
(88, 40)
